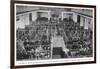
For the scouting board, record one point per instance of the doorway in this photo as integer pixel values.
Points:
(78, 18)
(30, 17)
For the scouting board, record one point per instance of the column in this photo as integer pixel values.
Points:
(48, 15)
(86, 23)
(62, 16)
(34, 16)
(22, 22)
(81, 22)
(75, 17)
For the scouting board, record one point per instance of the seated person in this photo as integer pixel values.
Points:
(39, 52)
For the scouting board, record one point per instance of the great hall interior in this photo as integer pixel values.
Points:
(53, 33)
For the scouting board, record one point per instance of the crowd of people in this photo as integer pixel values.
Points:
(34, 41)
(79, 39)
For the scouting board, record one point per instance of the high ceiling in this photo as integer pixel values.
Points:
(30, 8)
(25, 8)
(21, 9)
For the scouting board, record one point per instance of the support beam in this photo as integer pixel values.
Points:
(82, 21)
(75, 17)
(86, 23)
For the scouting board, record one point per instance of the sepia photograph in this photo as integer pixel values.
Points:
(48, 34)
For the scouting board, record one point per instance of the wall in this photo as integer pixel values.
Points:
(84, 20)
(44, 15)
(25, 8)
(67, 15)
(84, 11)
(5, 35)
(23, 20)
(20, 22)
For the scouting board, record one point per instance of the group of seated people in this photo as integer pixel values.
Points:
(34, 42)
(79, 39)
(33, 50)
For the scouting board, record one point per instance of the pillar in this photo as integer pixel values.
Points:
(86, 23)
(62, 16)
(74, 17)
(48, 15)
(34, 16)
(81, 22)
